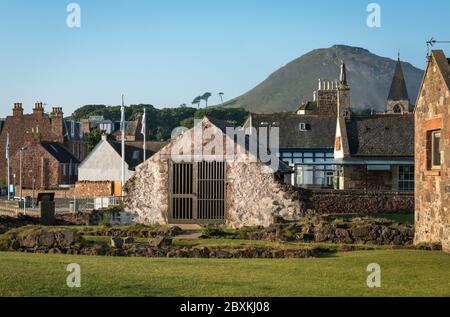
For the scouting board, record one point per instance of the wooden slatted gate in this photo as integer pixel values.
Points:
(197, 192)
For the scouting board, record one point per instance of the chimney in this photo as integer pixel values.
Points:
(343, 75)
(38, 110)
(18, 109)
(57, 112)
(57, 120)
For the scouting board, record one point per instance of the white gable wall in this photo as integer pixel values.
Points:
(103, 164)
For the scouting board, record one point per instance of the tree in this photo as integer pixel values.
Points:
(197, 101)
(221, 94)
(93, 138)
(205, 97)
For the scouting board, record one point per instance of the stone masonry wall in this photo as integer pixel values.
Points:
(327, 102)
(327, 202)
(253, 197)
(433, 186)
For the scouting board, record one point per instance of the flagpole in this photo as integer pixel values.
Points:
(144, 132)
(123, 145)
(9, 168)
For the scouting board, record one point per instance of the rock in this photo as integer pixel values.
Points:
(28, 242)
(324, 232)
(343, 236)
(360, 232)
(15, 245)
(116, 243)
(128, 240)
(161, 241)
(202, 252)
(46, 240)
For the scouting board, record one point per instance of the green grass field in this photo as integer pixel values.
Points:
(404, 273)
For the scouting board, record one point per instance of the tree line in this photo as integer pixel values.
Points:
(161, 122)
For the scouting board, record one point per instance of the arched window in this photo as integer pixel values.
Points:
(397, 109)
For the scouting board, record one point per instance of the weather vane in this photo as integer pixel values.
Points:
(431, 43)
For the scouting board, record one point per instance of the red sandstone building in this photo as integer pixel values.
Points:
(54, 147)
(432, 120)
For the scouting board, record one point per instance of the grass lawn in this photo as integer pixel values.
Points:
(404, 273)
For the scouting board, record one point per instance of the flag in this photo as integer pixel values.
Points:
(8, 147)
(144, 128)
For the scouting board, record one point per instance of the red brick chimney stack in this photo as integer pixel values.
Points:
(18, 109)
(57, 112)
(38, 110)
(57, 119)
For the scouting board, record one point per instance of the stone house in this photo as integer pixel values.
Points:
(375, 152)
(45, 165)
(196, 179)
(34, 129)
(432, 148)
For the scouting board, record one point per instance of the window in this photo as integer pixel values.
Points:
(397, 109)
(406, 178)
(436, 149)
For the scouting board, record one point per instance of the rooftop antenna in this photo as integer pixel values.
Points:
(432, 42)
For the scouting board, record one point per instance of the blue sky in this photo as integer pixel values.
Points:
(169, 51)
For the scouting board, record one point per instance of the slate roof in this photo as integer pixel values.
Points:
(320, 130)
(59, 152)
(381, 135)
(223, 125)
(398, 89)
(132, 147)
(308, 106)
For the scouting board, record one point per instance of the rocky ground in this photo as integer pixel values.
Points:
(35, 239)
(23, 235)
(319, 229)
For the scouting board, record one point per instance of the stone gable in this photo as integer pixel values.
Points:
(433, 185)
(252, 196)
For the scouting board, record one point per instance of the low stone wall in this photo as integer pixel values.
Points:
(357, 202)
(93, 189)
(83, 189)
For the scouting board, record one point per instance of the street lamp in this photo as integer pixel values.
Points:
(21, 150)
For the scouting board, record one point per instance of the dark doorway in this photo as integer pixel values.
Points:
(197, 192)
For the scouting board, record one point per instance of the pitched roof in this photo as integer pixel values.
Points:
(320, 130)
(134, 152)
(381, 135)
(398, 89)
(443, 64)
(308, 106)
(223, 125)
(59, 152)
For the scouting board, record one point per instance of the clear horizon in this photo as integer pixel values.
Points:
(166, 53)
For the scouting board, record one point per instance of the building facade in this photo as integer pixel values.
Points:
(432, 119)
(104, 162)
(32, 131)
(176, 186)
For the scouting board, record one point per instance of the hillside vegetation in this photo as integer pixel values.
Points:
(369, 76)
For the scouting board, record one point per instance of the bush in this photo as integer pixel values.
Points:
(105, 221)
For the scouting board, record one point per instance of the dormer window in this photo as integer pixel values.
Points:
(302, 126)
